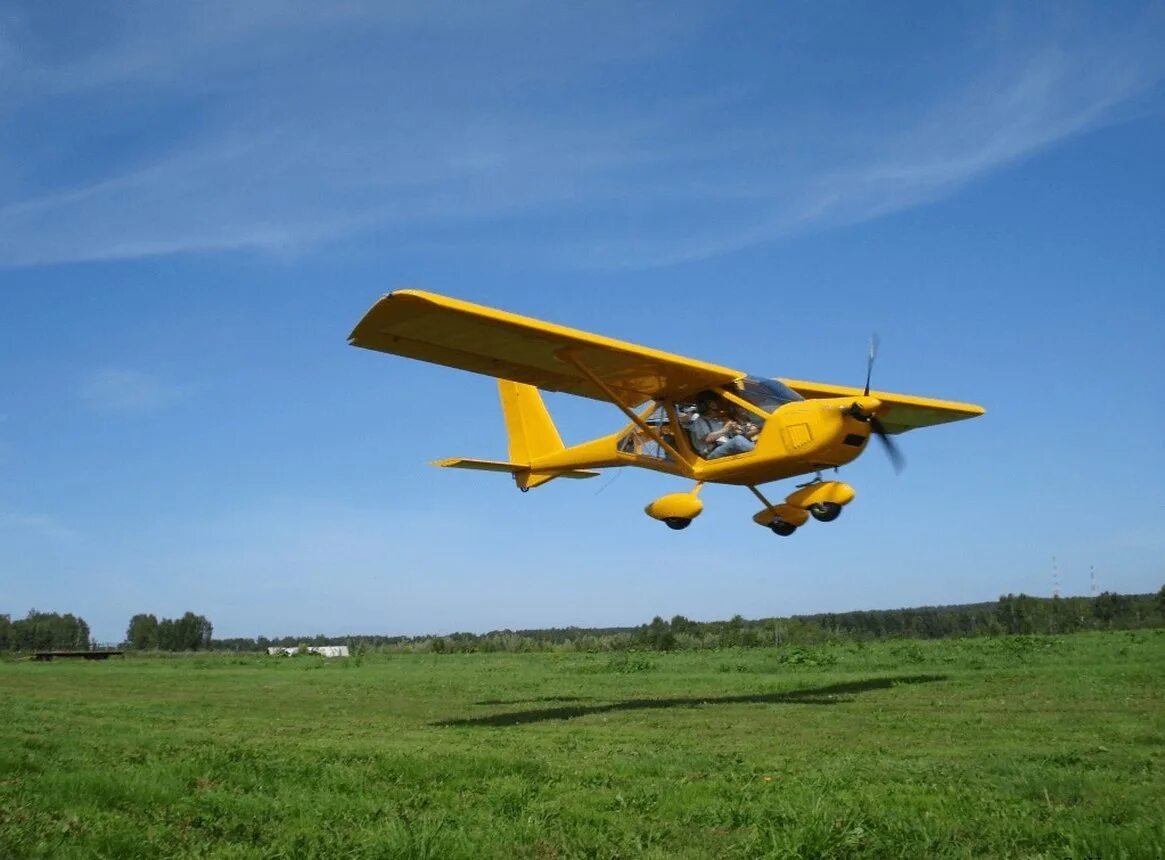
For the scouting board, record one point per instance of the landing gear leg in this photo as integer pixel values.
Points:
(760, 496)
(771, 518)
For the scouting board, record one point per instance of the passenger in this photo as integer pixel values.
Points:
(716, 435)
(748, 422)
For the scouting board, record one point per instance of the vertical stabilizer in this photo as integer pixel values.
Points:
(532, 432)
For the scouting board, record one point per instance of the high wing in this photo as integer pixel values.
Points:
(901, 412)
(483, 340)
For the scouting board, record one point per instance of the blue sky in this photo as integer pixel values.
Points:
(198, 202)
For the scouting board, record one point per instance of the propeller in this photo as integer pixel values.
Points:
(877, 427)
(888, 444)
(874, 342)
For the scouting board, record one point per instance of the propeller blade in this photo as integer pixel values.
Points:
(874, 340)
(897, 460)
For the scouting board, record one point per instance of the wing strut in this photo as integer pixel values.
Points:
(568, 355)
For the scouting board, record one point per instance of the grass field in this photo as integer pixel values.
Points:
(1011, 747)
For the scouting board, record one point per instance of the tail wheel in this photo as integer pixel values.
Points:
(677, 523)
(825, 512)
(782, 528)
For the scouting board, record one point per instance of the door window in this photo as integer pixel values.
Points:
(640, 444)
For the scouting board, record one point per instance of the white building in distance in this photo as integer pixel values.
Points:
(322, 650)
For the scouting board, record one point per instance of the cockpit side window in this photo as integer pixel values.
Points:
(768, 395)
(639, 444)
(716, 427)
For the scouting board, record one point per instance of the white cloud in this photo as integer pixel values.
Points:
(37, 526)
(1008, 115)
(126, 391)
(297, 126)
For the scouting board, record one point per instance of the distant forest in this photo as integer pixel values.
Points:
(51, 631)
(1010, 615)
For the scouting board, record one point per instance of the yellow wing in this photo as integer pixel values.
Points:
(901, 412)
(471, 337)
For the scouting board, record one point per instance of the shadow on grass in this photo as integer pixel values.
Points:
(809, 696)
(531, 701)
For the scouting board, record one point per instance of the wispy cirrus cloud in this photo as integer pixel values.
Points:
(1007, 116)
(125, 391)
(35, 526)
(273, 128)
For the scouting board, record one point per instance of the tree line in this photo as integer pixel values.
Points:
(189, 633)
(1011, 614)
(51, 631)
(44, 631)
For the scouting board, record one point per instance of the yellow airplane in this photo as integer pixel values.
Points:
(701, 421)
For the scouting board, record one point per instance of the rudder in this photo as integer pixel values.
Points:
(529, 426)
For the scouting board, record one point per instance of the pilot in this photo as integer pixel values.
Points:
(715, 435)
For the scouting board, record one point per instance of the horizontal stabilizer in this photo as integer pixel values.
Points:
(512, 468)
(479, 465)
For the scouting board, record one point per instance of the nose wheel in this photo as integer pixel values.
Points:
(822, 500)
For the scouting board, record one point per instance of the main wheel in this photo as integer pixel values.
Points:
(677, 523)
(782, 528)
(825, 512)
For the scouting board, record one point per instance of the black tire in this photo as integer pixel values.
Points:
(782, 528)
(825, 512)
(677, 523)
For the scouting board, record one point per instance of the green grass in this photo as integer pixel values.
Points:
(1018, 747)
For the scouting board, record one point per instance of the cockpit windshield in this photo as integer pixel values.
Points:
(767, 394)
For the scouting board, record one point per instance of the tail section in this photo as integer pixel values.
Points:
(532, 432)
(532, 435)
